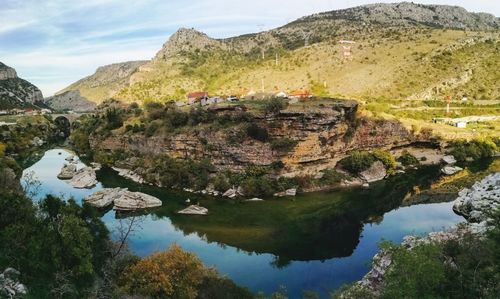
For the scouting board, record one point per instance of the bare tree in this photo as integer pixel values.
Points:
(31, 184)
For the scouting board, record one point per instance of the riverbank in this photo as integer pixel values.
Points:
(480, 206)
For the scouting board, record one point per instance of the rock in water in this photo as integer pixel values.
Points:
(194, 210)
(450, 170)
(131, 201)
(104, 198)
(475, 203)
(376, 172)
(67, 172)
(84, 178)
(129, 174)
(449, 159)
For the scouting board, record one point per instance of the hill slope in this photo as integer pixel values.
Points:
(16, 92)
(402, 51)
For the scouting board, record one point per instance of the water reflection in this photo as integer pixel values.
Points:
(316, 241)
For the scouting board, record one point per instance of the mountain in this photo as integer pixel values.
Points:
(16, 92)
(103, 84)
(401, 51)
(70, 100)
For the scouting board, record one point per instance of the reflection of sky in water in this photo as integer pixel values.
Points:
(255, 270)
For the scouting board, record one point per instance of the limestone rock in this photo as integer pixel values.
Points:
(449, 159)
(450, 170)
(376, 172)
(291, 192)
(67, 172)
(255, 199)
(483, 196)
(231, 193)
(84, 178)
(123, 199)
(129, 174)
(131, 201)
(194, 210)
(104, 198)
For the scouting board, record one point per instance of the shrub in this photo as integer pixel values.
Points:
(385, 157)
(357, 162)
(274, 105)
(476, 149)
(331, 176)
(257, 133)
(257, 186)
(220, 183)
(408, 159)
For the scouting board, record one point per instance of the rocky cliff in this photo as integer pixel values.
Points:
(16, 92)
(321, 137)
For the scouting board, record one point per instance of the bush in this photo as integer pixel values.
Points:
(476, 149)
(257, 133)
(331, 176)
(274, 105)
(385, 157)
(357, 162)
(257, 186)
(408, 159)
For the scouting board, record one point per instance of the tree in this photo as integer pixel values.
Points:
(170, 274)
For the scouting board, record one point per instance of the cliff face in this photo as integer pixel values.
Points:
(322, 137)
(16, 92)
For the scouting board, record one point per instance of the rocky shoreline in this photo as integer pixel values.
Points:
(474, 204)
(122, 199)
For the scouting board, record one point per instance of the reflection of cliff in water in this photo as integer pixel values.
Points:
(327, 232)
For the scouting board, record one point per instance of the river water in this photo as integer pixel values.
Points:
(316, 241)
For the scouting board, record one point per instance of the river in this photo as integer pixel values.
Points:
(315, 241)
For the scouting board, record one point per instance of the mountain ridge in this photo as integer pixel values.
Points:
(191, 60)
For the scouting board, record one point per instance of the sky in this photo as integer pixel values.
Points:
(53, 43)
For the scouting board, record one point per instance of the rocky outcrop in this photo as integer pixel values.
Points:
(16, 92)
(70, 100)
(7, 72)
(10, 287)
(376, 172)
(123, 199)
(449, 159)
(83, 178)
(129, 174)
(450, 170)
(483, 197)
(322, 136)
(194, 210)
(67, 172)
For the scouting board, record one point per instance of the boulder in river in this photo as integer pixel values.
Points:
(450, 170)
(131, 201)
(231, 193)
(84, 178)
(194, 210)
(376, 172)
(104, 198)
(67, 172)
(123, 199)
(449, 159)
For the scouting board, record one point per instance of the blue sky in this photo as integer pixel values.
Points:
(53, 43)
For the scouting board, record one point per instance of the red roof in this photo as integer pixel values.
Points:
(197, 95)
(300, 93)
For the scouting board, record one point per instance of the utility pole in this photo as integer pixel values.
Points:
(277, 59)
(306, 36)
